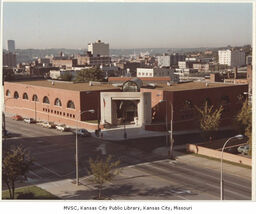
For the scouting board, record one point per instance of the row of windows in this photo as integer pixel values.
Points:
(58, 112)
(57, 102)
(147, 74)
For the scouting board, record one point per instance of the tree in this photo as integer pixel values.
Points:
(92, 74)
(209, 119)
(66, 77)
(244, 122)
(16, 165)
(103, 171)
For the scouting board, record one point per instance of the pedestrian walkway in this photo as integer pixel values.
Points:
(132, 132)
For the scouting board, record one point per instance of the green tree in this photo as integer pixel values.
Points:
(66, 77)
(244, 122)
(103, 170)
(16, 165)
(209, 119)
(92, 74)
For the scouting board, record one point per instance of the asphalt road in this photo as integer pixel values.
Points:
(146, 175)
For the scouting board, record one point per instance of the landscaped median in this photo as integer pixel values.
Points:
(213, 149)
(30, 192)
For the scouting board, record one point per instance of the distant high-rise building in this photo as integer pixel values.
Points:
(231, 58)
(11, 46)
(98, 48)
(170, 60)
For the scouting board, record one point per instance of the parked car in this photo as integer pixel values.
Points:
(82, 132)
(29, 120)
(48, 125)
(61, 127)
(17, 117)
(243, 149)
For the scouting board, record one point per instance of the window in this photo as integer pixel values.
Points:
(71, 104)
(51, 111)
(67, 114)
(54, 112)
(25, 96)
(73, 116)
(35, 98)
(57, 102)
(46, 100)
(8, 93)
(63, 113)
(16, 95)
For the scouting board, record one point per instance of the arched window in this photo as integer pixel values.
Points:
(57, 102)
(46, 100)
(35, 98)
(8, 93)
(25, 96)
(16, 95)
(71, 104)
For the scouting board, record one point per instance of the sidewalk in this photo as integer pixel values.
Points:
(67, 190)
(117, 134)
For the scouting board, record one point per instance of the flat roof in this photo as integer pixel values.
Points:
(67, 85)
(193, 86)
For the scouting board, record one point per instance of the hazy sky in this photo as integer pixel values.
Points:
(127, 25)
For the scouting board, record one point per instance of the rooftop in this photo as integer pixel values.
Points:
(67, 85)
(192, 86)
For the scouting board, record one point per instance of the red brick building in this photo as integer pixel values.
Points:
(54, 101)
(183, 97)
(61, 102)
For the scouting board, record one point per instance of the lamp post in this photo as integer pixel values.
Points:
(4, 118)
(249, 96)
(77, 174)
(35, 100)
(166, 128)
(239, 137)
(170, 151)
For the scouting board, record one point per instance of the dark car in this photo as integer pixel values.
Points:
(82, 132)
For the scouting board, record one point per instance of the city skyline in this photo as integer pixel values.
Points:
(147, 25)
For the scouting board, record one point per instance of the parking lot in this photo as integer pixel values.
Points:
(146, 174)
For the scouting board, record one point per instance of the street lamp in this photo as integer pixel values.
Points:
(35, 99)
(77, 175)
(170, 152)
(4, 118)
(239, 137)
(249, 96)
(166, 128)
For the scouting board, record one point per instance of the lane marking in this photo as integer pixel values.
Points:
(210, 176)
(49, 170)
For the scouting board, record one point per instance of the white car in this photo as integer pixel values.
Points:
(48, 125)
(61, 127)
(29, 120)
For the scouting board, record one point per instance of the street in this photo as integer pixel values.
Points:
(146, 173)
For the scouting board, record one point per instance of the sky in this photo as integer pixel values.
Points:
(127, 25)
